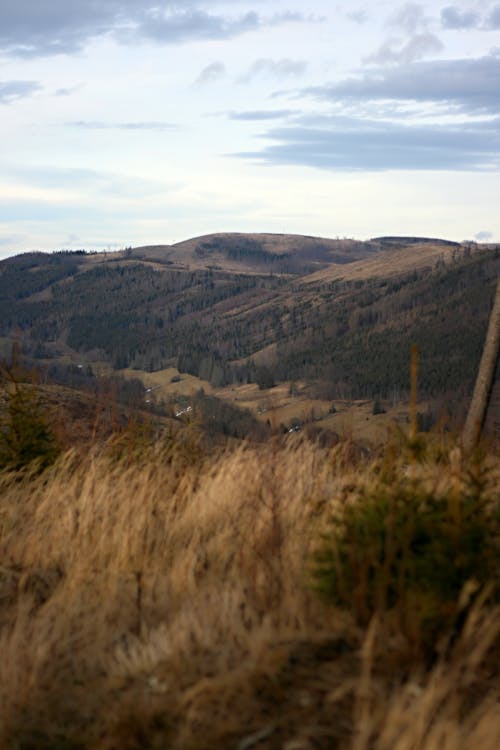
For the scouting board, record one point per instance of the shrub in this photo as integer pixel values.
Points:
(26, 439)
(405, 552)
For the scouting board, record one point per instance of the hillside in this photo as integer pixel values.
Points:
(232, 309)
(258, 253)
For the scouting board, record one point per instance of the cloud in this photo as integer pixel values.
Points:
(261, 114)
(62, 184)
(410, 18)
(419, 46)
(483, 236)
(10, 91)
(185, 25)
(358, 16)
(9, 239)
(291, 16)
(103, 125)
(211, 73)
(352, 144)
(32, 28)
(470, 85)
(266, 67)
(493, 20)
(454, 18)
(68, 91)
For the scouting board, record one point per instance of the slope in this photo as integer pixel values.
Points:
(347, 326)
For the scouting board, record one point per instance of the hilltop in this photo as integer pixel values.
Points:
(257, 253)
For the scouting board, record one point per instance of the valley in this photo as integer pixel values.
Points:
(298, 331)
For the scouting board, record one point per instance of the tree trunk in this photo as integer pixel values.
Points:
(484, 383)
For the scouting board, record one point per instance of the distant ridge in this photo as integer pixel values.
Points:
(291, 254)
(396, 240)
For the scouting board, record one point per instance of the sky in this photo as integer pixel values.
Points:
(133, 122)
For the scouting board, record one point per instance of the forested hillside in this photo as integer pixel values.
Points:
(269, 319)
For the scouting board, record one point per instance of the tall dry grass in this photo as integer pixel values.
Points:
(166, 602)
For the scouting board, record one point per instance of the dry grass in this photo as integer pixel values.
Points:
(166, 603)
(353, 419)
(165, 387)
(184, 254)
(387, 263)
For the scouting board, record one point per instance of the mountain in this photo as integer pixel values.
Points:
(265, 308)
(258, 253)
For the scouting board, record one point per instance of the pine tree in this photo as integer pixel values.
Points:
(25, 435)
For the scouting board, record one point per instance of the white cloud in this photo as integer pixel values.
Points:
(410, 17)
(211, 73)
(468, 84)
(416, 48)
(454, 18)
(12, 90)
(31, 28)
(353, 144)
(261, 114)
(358, 16)
(267, 67)
(130, 126)
(493, 19)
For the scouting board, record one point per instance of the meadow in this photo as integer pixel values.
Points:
(159, 595)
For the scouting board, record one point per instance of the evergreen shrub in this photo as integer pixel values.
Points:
(26, 439)
(408, 553)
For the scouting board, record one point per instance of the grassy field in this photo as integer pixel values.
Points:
(169, 382)
(166, 598)
(286, 404)
(387, 263)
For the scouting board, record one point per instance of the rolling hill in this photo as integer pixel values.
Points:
(337, 315)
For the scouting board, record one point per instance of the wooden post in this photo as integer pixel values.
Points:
(484, 382)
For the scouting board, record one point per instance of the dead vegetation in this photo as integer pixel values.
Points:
(166, 600)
